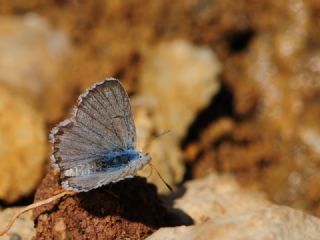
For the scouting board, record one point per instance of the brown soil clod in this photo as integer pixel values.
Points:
(129, 209)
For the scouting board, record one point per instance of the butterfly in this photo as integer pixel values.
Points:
(97, 144)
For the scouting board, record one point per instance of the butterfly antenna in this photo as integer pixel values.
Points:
(32, 206)
(167, 184)
(151, 171)
(162, 133)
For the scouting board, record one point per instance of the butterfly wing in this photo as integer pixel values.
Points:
(101, 122)
(84, 182)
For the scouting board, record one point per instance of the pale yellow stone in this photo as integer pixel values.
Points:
(22, 146)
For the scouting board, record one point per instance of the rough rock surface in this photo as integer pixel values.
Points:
(22, 229)
(129, 209)
(216, 196)
(273, 85)
(177, 80)
(221, 209)
(22, 146)
(32, 55)
(271, 223)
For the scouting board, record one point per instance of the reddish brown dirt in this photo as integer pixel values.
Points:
(129, 209)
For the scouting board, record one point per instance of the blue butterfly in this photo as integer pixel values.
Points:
(97, 145)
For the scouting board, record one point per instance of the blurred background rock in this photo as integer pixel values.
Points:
(237, 85)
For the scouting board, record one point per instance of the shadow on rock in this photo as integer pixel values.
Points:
(176, 216)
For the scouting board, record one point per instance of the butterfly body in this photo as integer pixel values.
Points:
(96, 146)
(109, 162)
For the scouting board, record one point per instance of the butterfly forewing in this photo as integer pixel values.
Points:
(106, 111)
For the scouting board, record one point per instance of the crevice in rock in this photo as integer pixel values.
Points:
(220, 106)
(239, 41)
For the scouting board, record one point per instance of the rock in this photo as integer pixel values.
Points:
(177, 80)
(129, 209)
(271, 223)
(32, 55)
(273, 85)
(22, 229)
(22, 147)
(221, 209)
(217, 196)
(161, 149)
(180, 79)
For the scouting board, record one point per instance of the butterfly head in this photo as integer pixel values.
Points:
(144, 157)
